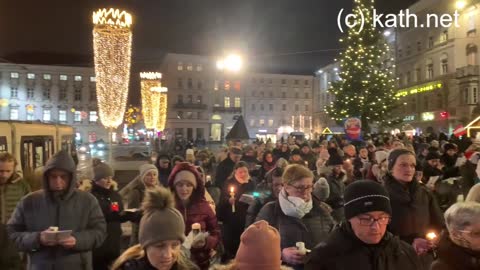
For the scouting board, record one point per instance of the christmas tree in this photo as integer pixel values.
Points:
(366, 88)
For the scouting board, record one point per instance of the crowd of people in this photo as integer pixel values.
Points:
(388, 202)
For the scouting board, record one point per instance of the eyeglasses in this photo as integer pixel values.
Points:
(474, 234)
(364, 221)
(302, 189)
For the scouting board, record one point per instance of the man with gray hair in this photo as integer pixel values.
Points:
(460, 247)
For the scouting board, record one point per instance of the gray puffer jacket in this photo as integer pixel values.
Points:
(75, 210)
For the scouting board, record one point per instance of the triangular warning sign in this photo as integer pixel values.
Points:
(327, 131)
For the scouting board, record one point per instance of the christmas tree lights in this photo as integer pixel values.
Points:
(366, 88)
(112, 44)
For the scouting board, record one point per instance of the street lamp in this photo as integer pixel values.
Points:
(460, 4)
(232, 62)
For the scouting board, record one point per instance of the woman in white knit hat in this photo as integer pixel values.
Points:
(147, 179)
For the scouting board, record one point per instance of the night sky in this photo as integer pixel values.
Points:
(277, 33)
(283, 36)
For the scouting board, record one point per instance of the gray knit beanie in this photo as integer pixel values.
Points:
(101, 171)
(160, 221)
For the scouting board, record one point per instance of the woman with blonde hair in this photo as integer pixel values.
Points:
(161, 236)
(297, 215)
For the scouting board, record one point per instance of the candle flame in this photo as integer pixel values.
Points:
(431, 235)
(232, 189)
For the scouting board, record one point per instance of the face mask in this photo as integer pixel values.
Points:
(294, 206)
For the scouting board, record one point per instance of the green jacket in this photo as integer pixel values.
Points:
(10, 194)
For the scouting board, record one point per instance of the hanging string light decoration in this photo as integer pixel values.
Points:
(112, 46)
(150, 82)
(162, 114)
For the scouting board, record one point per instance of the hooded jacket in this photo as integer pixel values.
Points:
(344, 251)
(197, 210)
(74, 210)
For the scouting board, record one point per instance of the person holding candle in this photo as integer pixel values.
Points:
(459, 246)
(187, 185)
(231, 211)
(362, 240)
(112, 207)
(415, 211)
(297, 215)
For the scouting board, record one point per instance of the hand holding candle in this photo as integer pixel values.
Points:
(232, 198)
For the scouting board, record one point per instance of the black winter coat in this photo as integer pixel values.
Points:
(112, 207)
(344, 251)
(453, 257)
(415, 211)
(9, 258)
(224, 170)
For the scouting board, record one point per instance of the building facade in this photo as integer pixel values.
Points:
(437, 69)
(205, 102)
(52, 94)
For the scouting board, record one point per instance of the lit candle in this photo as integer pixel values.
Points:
(431, 236)
(232, 196)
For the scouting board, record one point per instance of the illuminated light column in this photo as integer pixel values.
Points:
(162, 115)
(150, 82)
(112, 45)
(293, 123)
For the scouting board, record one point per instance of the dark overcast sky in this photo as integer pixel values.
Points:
(259, 27)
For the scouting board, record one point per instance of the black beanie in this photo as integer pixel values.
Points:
(392, 157)
(432, 155)
(363, 196)
(335, 160)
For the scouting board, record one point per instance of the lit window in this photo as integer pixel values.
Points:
(47, 76)
(215, 85)
(46, 115)
(199, 68)
(227, 102)
(78, 78)
(13, 113)
(270, 122)
(180, 66)
(261, 122)
(93, 79)
(237, 102)
(63, 77)
(14, 75)
(92, 116)
(30, 76)
(190, 67)
(77, 116)
(62, 116)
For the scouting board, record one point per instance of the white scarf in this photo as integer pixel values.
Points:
(294, 206)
